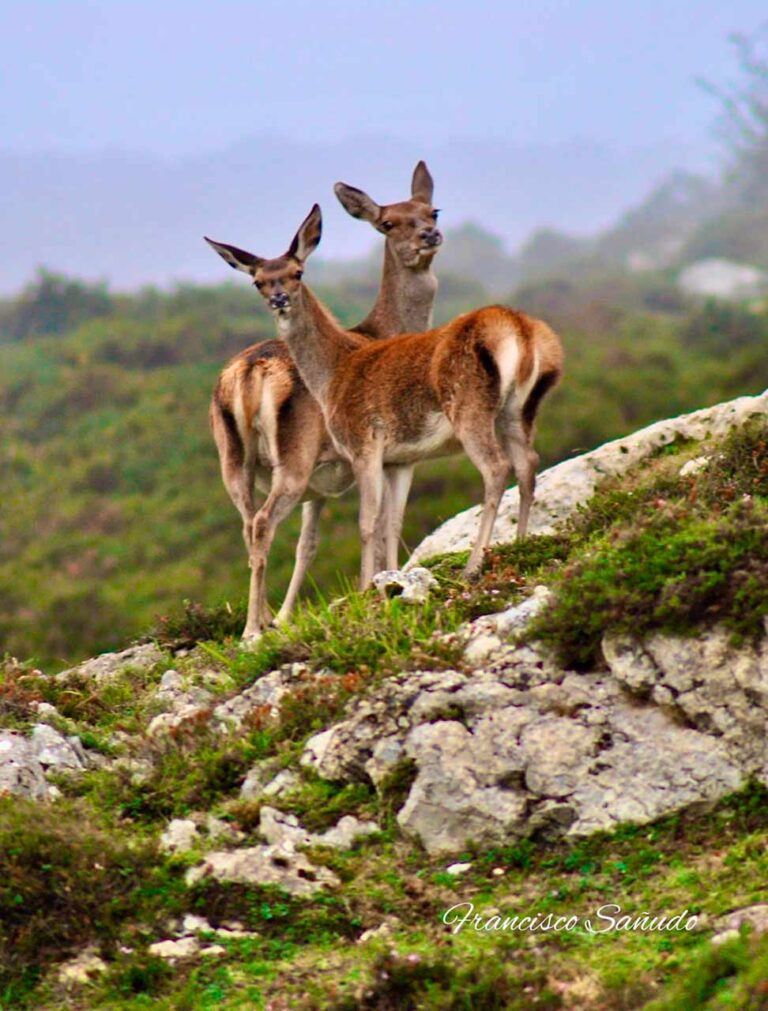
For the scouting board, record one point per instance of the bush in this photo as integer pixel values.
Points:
(63, 883)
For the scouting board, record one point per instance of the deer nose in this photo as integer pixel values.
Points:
(431, 236)
(279, 300)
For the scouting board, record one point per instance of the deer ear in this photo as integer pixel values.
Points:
(238, 259)
(422, 184)
(357, 203)
(307, 239)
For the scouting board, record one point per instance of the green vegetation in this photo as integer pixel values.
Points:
(115, 890)
(114, 514)
(69, 880)
(668, 553)
(731, 975)
(115, 524)
(305, 951)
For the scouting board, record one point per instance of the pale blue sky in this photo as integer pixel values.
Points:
(172, 77)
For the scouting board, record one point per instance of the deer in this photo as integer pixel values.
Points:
(268, 428)
(474, 384)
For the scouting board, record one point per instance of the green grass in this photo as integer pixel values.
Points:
(66, 880)
(650, 551)
(305, 951)
(672, 573)
(664, 553)
(732, 976)
(358, 633)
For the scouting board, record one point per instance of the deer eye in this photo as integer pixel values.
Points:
(435, 214)
(387, 225)
(299, 274)
(259, 284)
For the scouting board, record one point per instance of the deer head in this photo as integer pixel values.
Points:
(278, 280)
(409, 226)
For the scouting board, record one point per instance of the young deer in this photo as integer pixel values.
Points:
(269, 430)
(475, 383)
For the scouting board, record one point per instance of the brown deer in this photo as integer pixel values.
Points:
(269, 430)
(475, 383)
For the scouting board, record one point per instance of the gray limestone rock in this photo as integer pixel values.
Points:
(412, 586)
(24, 761)
(107, 665)
(523, 747)
(265, 865)
(561, 489)
(180, 836)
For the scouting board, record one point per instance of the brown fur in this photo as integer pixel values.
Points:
(477, 381)
(261, 387)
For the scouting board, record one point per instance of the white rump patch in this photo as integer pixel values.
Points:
(265, 420)
(507, 356)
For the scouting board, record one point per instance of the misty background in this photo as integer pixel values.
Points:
(130, 130)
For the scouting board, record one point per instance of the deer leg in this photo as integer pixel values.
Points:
(306, 550)
(283, 496)
(369, 475)
(382, 526)
(238, 468)
(478, 437)
(517, 438)
(399, 481)
(525, 460)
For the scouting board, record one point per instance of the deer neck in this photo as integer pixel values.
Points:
(317, 343)
(405, 300)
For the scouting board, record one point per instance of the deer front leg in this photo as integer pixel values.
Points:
(370, 480)
(398, 486)
(381, 527)
(285, 493)
(306, 550)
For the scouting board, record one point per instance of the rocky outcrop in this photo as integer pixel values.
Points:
(25, 760)
(561, 489)
(412, 586)
(716, 277)
(107, 665)
(706, 683)
(754, 918)
(281, 829)
(82, 968)
(278, 865)
(523, 747)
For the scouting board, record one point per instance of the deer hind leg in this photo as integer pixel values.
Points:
(306, 549)
(286, 491)
(477, 433)
(516, 437)
(238, 466)
(398, 487)
(369, 474)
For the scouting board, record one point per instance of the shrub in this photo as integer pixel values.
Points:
(671, 572)
(63, 883)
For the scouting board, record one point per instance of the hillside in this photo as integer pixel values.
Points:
(113, 512)
(195, 825)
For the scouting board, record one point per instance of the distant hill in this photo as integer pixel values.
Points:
(135, 219)
(651, 235)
